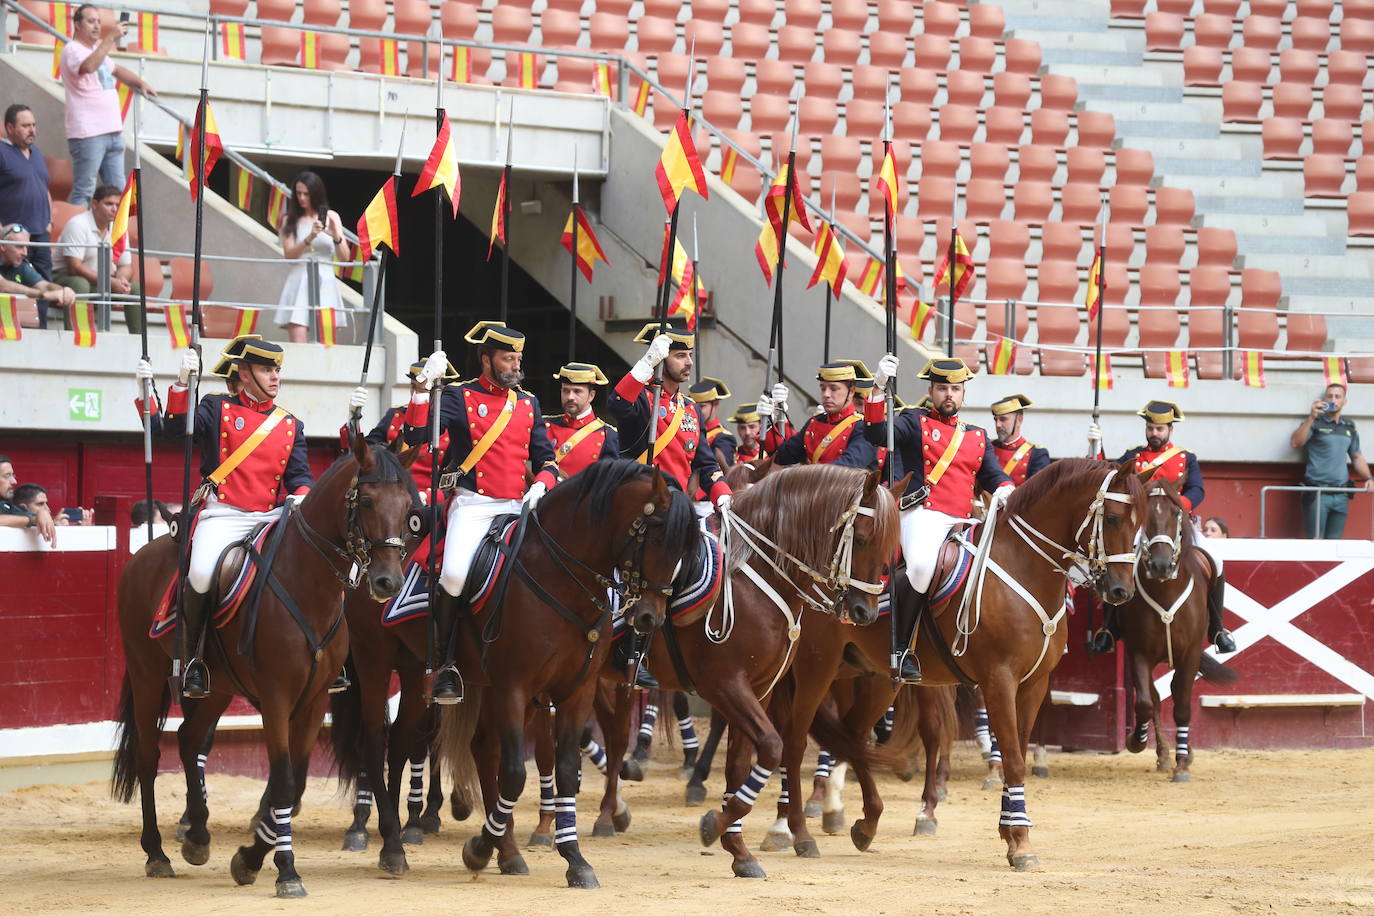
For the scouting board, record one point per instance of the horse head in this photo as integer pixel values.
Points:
(1123, 508)
(376, 510)
(876, 536)
(1162, 537)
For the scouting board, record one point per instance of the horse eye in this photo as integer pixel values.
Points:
(365, 502)
(1113, 520)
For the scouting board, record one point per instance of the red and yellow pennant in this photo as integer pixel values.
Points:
(246, 322)
(920, 318)
(231, 41)
(181, 143)
(1094, 298)
(498, 218)
(1105, 380)
(1333, 368)
(441, 168)
(276, 206)
(119, 228)
(148, 33)
(963, 266)
(728, 161)
(588, 248)
(684, 305)
(1252, 368)
(328, 326)
(1003, 357)
(887, 180)
(9, 319)
(679, 168)
(1176, 368)
(830, 265)
(462, 65)
(57, 59)
(243, 189)
(391, 57)
(60, 16)
(353, 271)
(774, 232)
(379, 225)
(601, 79)
(214, 146)
(178, 328)
(310, 50)
(641, 104)
(83, 324)
(871, 279)
(126, 100)
(525, 67)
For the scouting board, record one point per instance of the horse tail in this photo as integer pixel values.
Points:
(1215, 672)
(346, 732)
(831, 734)
(124, 773)
(457, 725)
(949, 716)
(906, 725)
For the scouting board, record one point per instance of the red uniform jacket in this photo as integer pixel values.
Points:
(684, 453)
(1180, 468)
(923, 440)
(838, 439)
(571, 457)
(1020, 459)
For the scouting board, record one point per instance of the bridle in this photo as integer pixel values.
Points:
(1174, 541)
(1166, 615)
(356, 552)
(1081, 564)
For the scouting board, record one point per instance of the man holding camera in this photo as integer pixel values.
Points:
(1330, 444)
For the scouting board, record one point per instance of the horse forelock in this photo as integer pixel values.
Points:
(597, 486)
(1063, 475)
(796, 508)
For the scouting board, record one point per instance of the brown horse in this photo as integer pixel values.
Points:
(1002, 628)
(813, 536)
(352, 523)
(1166, 623)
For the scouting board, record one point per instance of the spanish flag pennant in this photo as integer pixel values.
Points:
(1003, 357)
(525, 67)
(243, 189)
(178, 328)
(441, 168)
(462, 64)
(83, 324)
(379, 224)
(246, 322)
(181, 142)
(775, 231)
(1253, 368)
(328, 326)
(214, 145)
(641, 104)
(391, 56)
(1094, 298)
(60, 16)
(353, 271)
(920, 319)
(1105, 380)
(498, 217)
(119, 228)
(310, 50)
(830, 265)
(9, 319)
(963, 266)
(126, 99)
(601, 79)
(679, 168)
(232, 42)
(588, 247)
(728, 160)
(147, 32)
(684, 305)
(1333, 367)
(887, 180)
(276, 205)
(1176, 368)
(872, 278)
(57, 58)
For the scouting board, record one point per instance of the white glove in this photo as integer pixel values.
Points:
(887, 369)
(358, 399)
(190, 365)
(723, 504)
(1094, 432)
(534, 493)
(435, 367)
(295, 499)
(765, 407)
(658, 349)
(143, 371)
(1002, 494)
(779, 396)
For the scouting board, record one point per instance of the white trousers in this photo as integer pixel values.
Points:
(923, 531)
(469, 517)
(217, 527)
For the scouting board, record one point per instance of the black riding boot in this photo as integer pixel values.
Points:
(1104, 640)
(195, 611)
(1220, 636)
(630, 650)
(905, 615)
(444, 615)
(341, 683)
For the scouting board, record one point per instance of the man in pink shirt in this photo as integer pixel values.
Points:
(95, 130)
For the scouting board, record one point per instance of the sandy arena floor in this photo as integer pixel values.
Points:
(1254, 831)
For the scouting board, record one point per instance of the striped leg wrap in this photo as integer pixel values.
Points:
(995, 753)
(204, 790)
(888, 718)
(823, 764)
(1142, 731)
(784, 799)
(646, 723)
(546, 802)
(980, 725)
(364, 798)
(1181, 750)
(753, 785)
(687, 729)
(737, 828)
(279, 834)
(564, 819)
(267, 832)
(595, 754)
(496, 820)
(417, 784)
(1014, 807)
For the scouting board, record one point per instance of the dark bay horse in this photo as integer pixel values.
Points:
(1002, 629)
(814, 536)
(352, 523)
(1166, 624)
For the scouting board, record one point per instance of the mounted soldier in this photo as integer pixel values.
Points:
(748, 427)
(1020, 459)
(707, 395)
(835, 435)
(578, 435)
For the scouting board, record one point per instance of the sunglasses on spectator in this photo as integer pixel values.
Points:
(12, 228)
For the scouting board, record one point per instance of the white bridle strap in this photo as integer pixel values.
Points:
(1166, 615)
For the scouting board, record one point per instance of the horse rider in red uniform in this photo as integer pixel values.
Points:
(675, 442)
(950, 462)
(578, 435)
(1180, 467)
(1020, 459)
(835, 435)
(707, 395)
(494, 429)
(392, 425)
(748, 426)
(252, 461)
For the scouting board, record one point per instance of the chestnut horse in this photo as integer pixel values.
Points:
(352, 523)
(1166, 623)
(1002, 628)
(812, 536)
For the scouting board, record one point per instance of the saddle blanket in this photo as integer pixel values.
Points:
(164, 621)
(694, 585)
(953, 580)
(413, 599)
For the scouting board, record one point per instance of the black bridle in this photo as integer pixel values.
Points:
(356, 552)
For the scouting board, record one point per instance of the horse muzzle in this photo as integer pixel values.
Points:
(646, 616)
(383, 585)
(862, 608)
(1114, 591)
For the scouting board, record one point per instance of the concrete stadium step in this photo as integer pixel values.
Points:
(1264, 206)
(1167, 130)
(1234, 168)
(1094, 10)
(1118, 92)
(1289, 226)
(1026, 23)
(1056, 56)
(1096, 42)
(1270, 185)
(1218, 148)
(1301, 265)
(1293, 245)
(1117, 76)
(1174, 112)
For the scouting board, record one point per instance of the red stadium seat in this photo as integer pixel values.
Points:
(1049, 128)
(911, 120)
(842, 46)
(918, 85)
(932, 52)
(1359, 209)
(1216, 247)
(823, 78)
(1262, 32)
(1011, 90)
(1134, 166)
(896, 16)
(1241, 101)
(1008, 239)
(609, 32)
(888, 50)
(513, 25)
(1299, 66)
(987, 21)
(1212, 31)
(1174, 207)
(749, 41)
(1080, 204)
(1282, 138)
(713, 10)
(706, 36)
(1058, 92)
(1311, 34)
(977, 54)
(1202, 66)
(863, 118)
(1036, 163)
(321, 12)
(984, 199)
(964, 87)
(1343, 102)
(1164, 246)
(1033, 201)
(1061, 242)
(1251, 65)
(757, 12)
(1364, 173)
(940, 18)
(654, 35)
(817, 116)
(989, 161)
(1347, 68)
(803, 12)
(1292, 100)
(1306, 333)
(280, 47)
(1163, 31)
(1022, 56)
(940, 159)
(722, 108)
(849, 14)
(1128, 204)
(796, 44)
(867, 82)
(769, 113)
(1332, 136)
(840, 153)
(1357, 35)
(1227, 8)
(1086, 165)
(1002, 124)
(777, 77)
(1096, 129)
(1358, 9)
(726, 74)
(843, 188)
(934, 197)
(958, 123)
(1323, 175)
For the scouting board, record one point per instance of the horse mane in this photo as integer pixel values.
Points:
(389, 467)
(796, 506)
(1069, 472)
(596, 486)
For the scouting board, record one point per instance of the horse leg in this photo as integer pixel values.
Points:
(410, 738)
(871, 700)
(434, 793)
(1014, 824)
(202, 758)
(145, 700)
(274, 831)
(1144, 703)
(748, 720)
(1182, 691)
(617, 735)
(930, 725)
(744, 864)
(1162, 747)
(355, 837)
(197, 725)
(687, 732)
(695, 794)
(544, 754)
(504, 714)
(832, 809)
(567, 727)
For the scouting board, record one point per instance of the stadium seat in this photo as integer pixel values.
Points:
(1008, 239)
(817, 116)
(797, 44)
(722, 108)
(1003, 124)
(863, 118)
(1163, 31)
(1096, 129)
(1241, 101)
(1174, 207)
(1086, 165)
(1032, 201)
(664, 9)
(1216, 247)
(1273, 9)
(321, 12)
(1260, 289)
(896, 16)
(726, 74)
(776, 77)
(672, 72)
(1323, 175)
(1332, 136)
(803, 12)
(1347, 68)
(1364, 173)
(964, 87)
(769, 113)
(1357, 35)
(60, 179)
(1309, 33)
(1164, 245)
(911, 120)
(1022, 55)
(987, 21)
(1134, 167)
(911, 235)
(1177, 7)
(977, 54)
(1227, 8)
(1357, 9)
(1011, 90)
(1115, 319)
(279, 47)
(1343, 101)
(652, 35)
(984, 199)
(1128, 9)
(1262, 32)
(958, 123)
(1061, 241)
(1251, 65)
(1128, 204)
(514, 25)
(608, 32)
(917, 85)
(934, 197)
(1080, 204)
(849, 14)
(1058, 323)
(282, 10)
(932, 52)
(866, 80)
(889, 50)
(940, 18)
(560, 28)
(1036, 163)
(1292, 100)
(1059, 93)
(989, 161)
(1211, 30)
(1049, 128)
(757, 12)
(1202, 66)
(1282, 138)
(940, 159)
(1157, 324)
(823, 78)
(183, 275)
(574, 74)
(749, 41)
(1299, 66)
(840, 188)
(1306, 333)
(1359, 209)
(61, 213)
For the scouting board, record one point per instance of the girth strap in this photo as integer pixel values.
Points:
(937, 639)
(675, 653)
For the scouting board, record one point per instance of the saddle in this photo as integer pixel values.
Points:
(234, 577)
(953, 563)
(487, 563)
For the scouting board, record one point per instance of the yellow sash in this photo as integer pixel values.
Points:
(490, 436)
(667, 436)
(1016, 457)
(1162, 457)
(218, 475)
(830, 437)
(575, 439)
(947, 458)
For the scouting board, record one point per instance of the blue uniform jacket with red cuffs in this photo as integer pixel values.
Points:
(688, 451)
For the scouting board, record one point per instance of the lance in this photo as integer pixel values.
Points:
(505, 212)
(1101, 305)
(377, 290)
(953, 272)
(696, 300)
(143, 310)
(572, 296)
(825, 356)
(890, 330)
(436, 390)
(775, 331)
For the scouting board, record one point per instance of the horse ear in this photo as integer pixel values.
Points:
(900, 486)
(661, 496)
(409, 455)
(1145, 476)
(871, 481)
(361, 450)
(761, 471)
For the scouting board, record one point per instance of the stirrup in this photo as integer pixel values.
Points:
(341, 683)
(1223, 641)
(1104, 641)
(643, 678)
(908, 669)
(445, 691)
(195, 681)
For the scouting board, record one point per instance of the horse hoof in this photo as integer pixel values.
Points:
(631, 770)
(942, 794)
(355, 841)
(1182, 776)
(709, 829)
(393, 863)
(476, 854)
(861, 840)
(832, 822)
(159, 868)
(1042, 772)
(621, 819)
(749, 869)
(775, 840)
(813, 809)
(1135, 746)
(239, 870)
(907, 775)
(991, 782)
(460, 809)
(1163, 766)
(925, 826)
(195, 853)
(582, 878)
(291, 888)
(1025, 862)
(429, 823)
(807, 849)
(540, 841)
(602, 830)
(514, 866)
(412, 835)
(183, 825)
(695, 794)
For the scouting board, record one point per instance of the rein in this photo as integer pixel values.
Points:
(357, 549)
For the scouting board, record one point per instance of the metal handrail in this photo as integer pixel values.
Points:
(1304, 488)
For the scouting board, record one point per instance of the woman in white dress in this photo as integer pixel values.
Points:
(303, 234)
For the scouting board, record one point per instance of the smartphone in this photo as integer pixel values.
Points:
(324, 218)
(73, 515)
(124, 17)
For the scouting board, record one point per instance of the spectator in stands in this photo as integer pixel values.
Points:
(34, 499)
(309, 227)
(1330, 445)
(95, 128)
(138, 515)
(24, 196)
(19, 278)
(12, 516)
(79, 256)
(1215, 528)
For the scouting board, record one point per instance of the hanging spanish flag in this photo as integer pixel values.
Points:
(352, 271)
(243, 189)
(147, 32)
(60, 16)
(310, 50)
(214, 146)
(872, 278)
(9, 319)
(498, 217)
(588, 248)
(178, 328)
(119, 228)
(525, 66)
(1333, 367)
(887, 180)
(775, 231)
(728, 160)
(57, 59)
(126, 98)
(830, 265)
(328, 326)
(1094, 298)
(276, 206)
(641, 104)
(1176, 368)
(379, 224)
(679, 168)
(181, 142)
(1253, 368)
(1105, 380)
(246, 322)
(83, 324)
(601, 79)
(963, 266)
(441, 168)
(231, 41)
(462, 64)
(391, 57)
(1003, 357)
(686, 306)
(920, 318)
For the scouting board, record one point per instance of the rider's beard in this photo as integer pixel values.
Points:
(1155, 442)
(947, 408)
(677, 375)
(510, 379)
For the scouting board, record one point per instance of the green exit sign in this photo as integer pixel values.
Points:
(83, 404)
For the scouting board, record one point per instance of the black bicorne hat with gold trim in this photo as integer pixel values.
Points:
(496, 335)
(581, 374)
(1161, 412)
(680, 337)
(1010, 404)
(949, 369)
(746, 413)
(844, 370)
(708, 390)
(250, 349)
